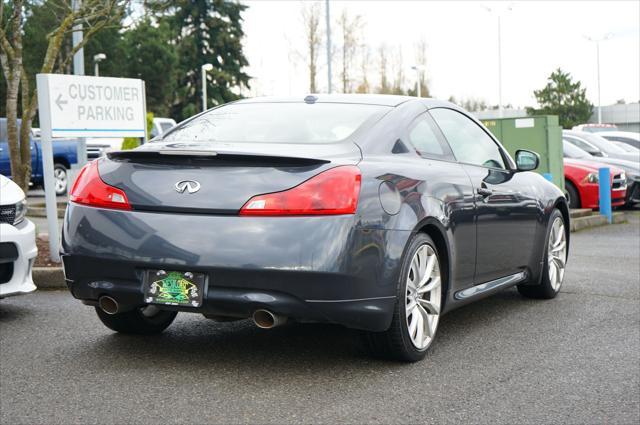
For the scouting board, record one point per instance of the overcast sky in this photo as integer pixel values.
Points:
(462, 47)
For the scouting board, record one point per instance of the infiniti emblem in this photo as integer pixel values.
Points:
(190, 186)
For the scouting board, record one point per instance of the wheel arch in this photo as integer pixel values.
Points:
(62, 161)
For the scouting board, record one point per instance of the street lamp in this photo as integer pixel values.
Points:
(499, 14)
(204, 68)
(418, 69)
(597, 41)
(96, 61)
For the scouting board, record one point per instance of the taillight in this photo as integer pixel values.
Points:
(89, 189)
(334, 191)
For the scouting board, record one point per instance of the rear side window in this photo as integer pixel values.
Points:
(423, 135)
(278, 123)
(469, 143)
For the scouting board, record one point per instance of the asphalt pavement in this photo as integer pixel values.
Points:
(506, 359)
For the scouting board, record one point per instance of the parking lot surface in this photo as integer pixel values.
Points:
(506, 359)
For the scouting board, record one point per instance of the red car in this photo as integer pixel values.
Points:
(581, 183)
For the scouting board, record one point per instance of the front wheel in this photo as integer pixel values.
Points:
(144, 320)
(554, 261)
(572, 195)
(417, 311)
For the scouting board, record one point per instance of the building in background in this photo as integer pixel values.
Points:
(625, 116)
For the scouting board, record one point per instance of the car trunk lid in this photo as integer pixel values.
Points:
(216, 178)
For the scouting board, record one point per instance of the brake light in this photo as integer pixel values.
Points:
(332, 192)
(89, 189)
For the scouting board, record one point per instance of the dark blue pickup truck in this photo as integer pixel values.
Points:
(64, 154)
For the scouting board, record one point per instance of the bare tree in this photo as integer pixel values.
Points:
(365, 57)
(311, 20)
(350, 28)
(421, 61)
(93, 14)
(398, 71)
(382, 61)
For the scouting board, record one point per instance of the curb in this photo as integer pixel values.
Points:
(49, 277)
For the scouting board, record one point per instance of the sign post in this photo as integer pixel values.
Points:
(80, 106)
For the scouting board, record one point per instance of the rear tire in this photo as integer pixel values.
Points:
(419, 303)
(554, 261)
(138, 321)
(573, 196)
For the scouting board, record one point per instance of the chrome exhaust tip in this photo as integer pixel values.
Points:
(264, 319)
(108, 305)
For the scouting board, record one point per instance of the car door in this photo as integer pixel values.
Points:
(448, 182)
(506, 207)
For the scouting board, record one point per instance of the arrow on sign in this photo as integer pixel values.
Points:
(61, 102)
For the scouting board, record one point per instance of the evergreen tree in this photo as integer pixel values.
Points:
(205, 31)
(562, 97)
(151, 57)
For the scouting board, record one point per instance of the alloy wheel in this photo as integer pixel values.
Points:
(557, 253)
(60, 175)
(423, 297)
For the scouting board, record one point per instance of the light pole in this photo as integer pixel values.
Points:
(418, 69)
(96, 61)
(499, 14)
(204, 68)
(328, 17)
(597, 41)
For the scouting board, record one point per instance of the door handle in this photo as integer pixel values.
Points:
(484, 192)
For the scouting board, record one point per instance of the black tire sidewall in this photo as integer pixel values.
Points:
(574, 195)
(400, 316)
(134, 322)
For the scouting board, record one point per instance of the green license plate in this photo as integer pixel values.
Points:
(174, 288)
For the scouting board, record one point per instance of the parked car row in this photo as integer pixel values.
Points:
(586, 152)
(64, 154)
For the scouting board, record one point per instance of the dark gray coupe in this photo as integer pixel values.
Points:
(379, 213)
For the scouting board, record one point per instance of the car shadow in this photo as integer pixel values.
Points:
(11, 312)
(198, 345)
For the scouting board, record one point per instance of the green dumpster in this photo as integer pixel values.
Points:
(541, 134)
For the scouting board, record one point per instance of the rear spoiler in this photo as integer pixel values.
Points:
(208, 156)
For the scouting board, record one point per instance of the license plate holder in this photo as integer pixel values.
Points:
(176, 288)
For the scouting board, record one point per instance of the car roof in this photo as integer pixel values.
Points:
(369, 99)
(629, 134)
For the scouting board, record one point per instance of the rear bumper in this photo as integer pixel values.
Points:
(16, 271)
(309, 268)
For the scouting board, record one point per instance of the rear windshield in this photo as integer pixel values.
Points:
(278, 123)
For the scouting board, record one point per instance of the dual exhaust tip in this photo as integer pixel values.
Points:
(264, 319)
(108, 305)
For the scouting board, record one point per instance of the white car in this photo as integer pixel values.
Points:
(17, 241)
(628, 137)
(161, 126)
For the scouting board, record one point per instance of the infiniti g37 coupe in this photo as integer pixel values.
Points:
(379, 213)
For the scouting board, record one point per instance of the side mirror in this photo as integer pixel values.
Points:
(527, 160)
